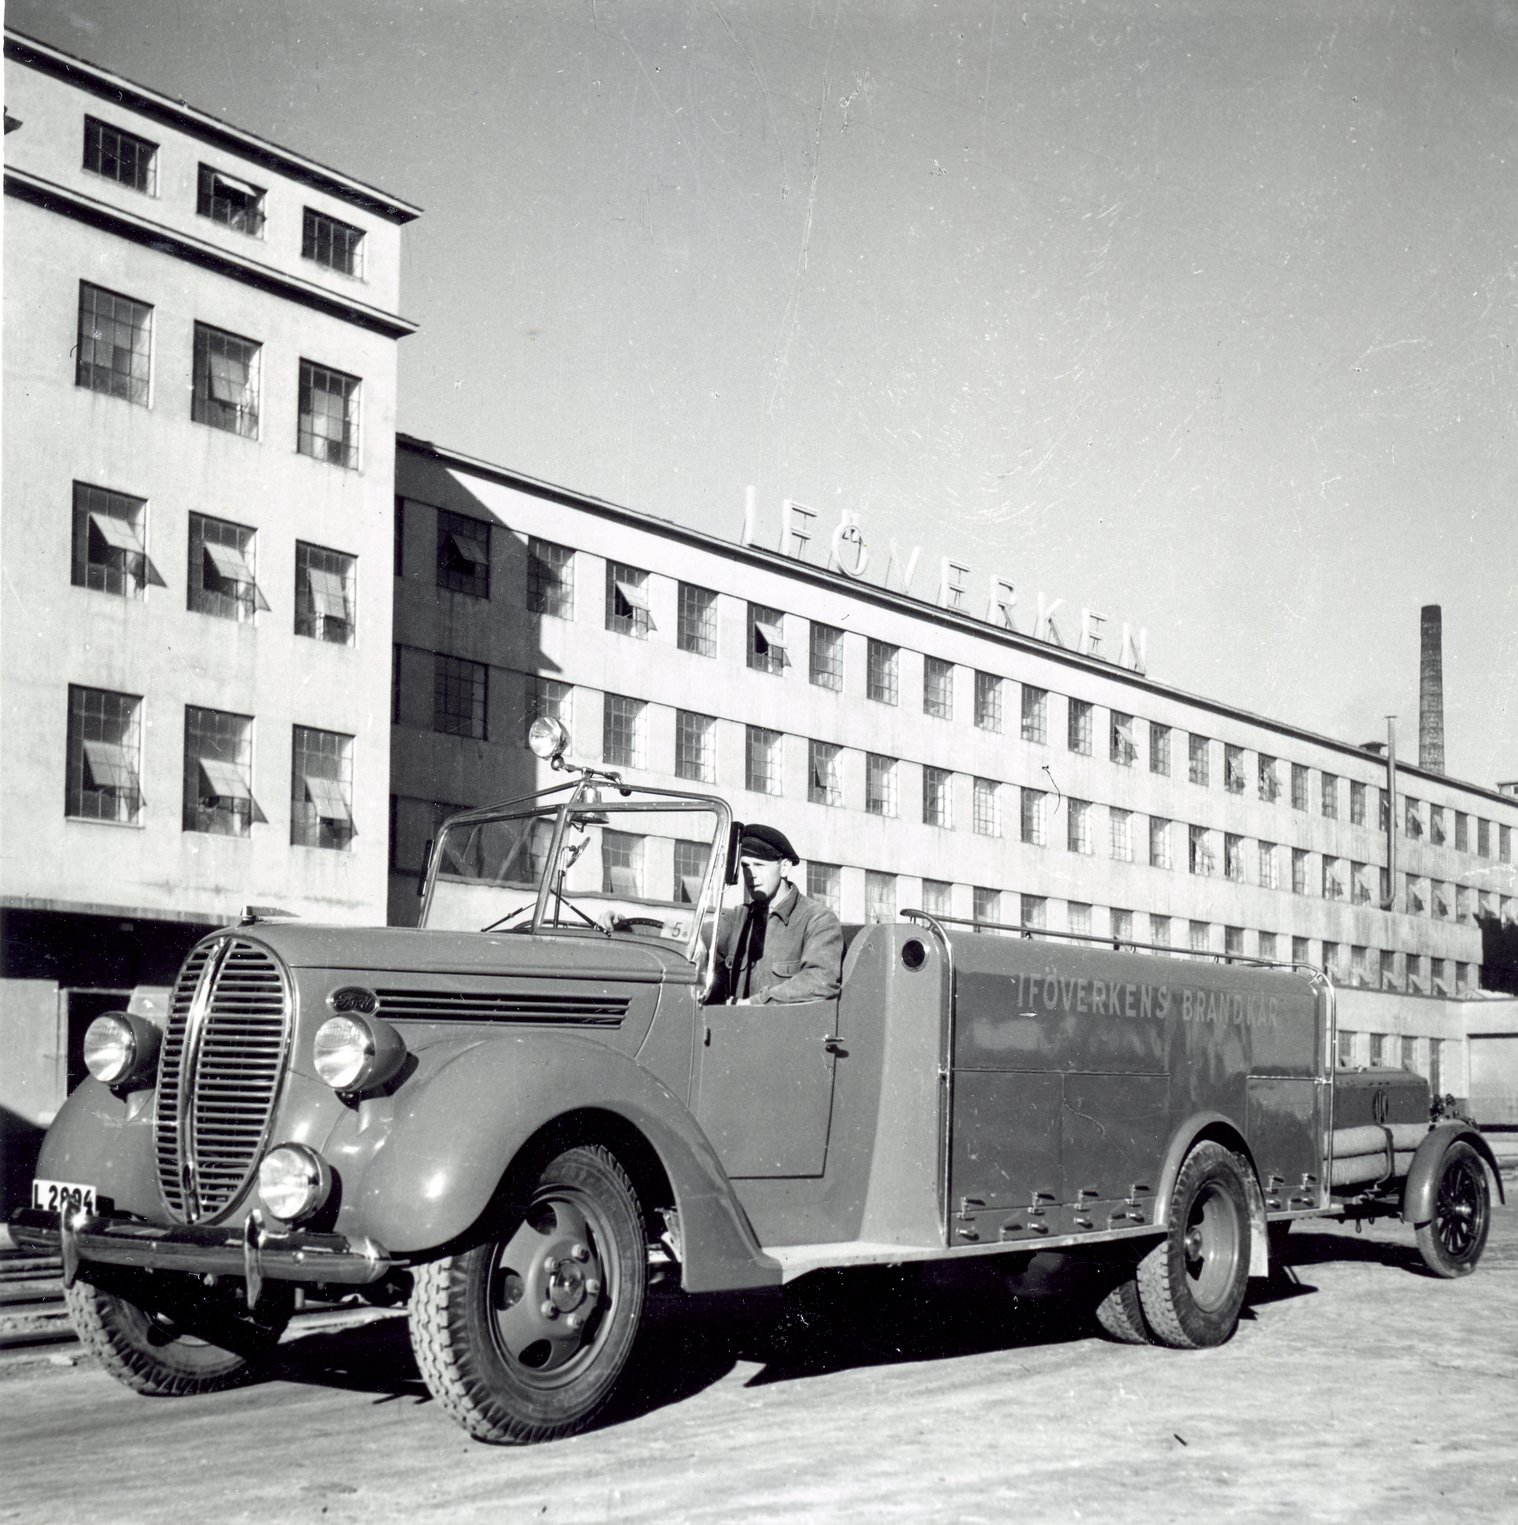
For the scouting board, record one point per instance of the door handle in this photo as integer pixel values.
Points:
(834, 1045)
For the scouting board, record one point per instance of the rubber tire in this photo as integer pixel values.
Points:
(1121, 1314)
(461, 1347)
(1194, 1305)
(1451, 1242)
(136, 1350)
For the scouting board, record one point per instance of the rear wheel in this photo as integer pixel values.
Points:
(1192, 1283)
(1121, 1313)
(173, 1346)
(1451, 1242)
(523, 1338)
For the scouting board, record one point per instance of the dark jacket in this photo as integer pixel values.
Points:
(794, 952)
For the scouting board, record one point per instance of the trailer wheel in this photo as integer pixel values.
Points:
(1451, 1242)
(166, 1352)
(523, 1337)
(1121, 1314)
(1192, 1283)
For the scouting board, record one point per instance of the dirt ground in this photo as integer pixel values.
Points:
(1357, 1388)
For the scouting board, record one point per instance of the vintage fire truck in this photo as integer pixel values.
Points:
(512, 1115)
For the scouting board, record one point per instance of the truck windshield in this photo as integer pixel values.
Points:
(637, 866)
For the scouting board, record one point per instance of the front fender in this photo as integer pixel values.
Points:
(423, 1177)
(1421, 1190)
(103, 1138)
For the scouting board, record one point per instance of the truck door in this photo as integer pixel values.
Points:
(765, 1087)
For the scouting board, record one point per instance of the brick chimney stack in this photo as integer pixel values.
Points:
(1431, 691)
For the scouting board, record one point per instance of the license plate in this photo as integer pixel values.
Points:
(58, 1196)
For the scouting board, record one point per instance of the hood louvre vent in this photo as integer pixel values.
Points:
(576, 1010)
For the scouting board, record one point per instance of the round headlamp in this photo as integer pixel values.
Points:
(120, 1048)
(548, 738)
(357, 1052)
(293, 1182)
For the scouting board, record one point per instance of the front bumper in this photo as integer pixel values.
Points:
(253, 1251)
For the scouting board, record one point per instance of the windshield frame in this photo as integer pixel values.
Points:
(595, 788)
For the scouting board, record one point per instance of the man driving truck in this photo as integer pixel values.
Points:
(780, 945)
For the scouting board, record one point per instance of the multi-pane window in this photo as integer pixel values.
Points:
(1078, 918)
(110, 549)
(1159, 930)
(1328, 796)
(1267, 945)
(463, 554)
(879, 784)
(987, 905)
(1078, 732)
(325, 593)
(1200, 933)
(697, 630)
(1196, 759)
(1159, 842)
(938, 688)
(1359, 884)
(987, 807)
(1122, 928)
(1413, 821)
(115, 345)
(321, 789)
(1415, 901)
(1331, 954)
(1357, 962)
(1270, 785)
(1436, 1065)
(1462, 827)
(1414, 973)
(938, 897)
(226, 381)
(621, 863)
(1233, 769)
(627, 601)
(1199, 852)
(882, 669)
(695, 748)
(824, 882)
(762, 751)
(622, 735)
(824, 781)
(1121, 824)
(413, 829)
(988, 701)
(1120, 740)
(218, 773)
(1333, 888)
(550, 579)
(1233, 942)
(1357, 794)
(222, 578)
(1033, 830)
(1078, 826)
(547, 699)
(1233, 856)
(1439, 897)
(1504, 844)
(766, 639)
(1268, 873)
(1438, 976)
(1388, 981)
(1344, 1055)
(1035, 714)
(1299, 871)
(1298, 787)
(879, 896)
(459, 689)
(1436, 825)
(1159, 748)
(333, 244)
(825, 664)
(234, 203)
(1462, 902)
(328, 423)
(120, 156)
(1299, 950)
(1483, 838)
(1462, 975)
(102, 780)
(1033, 910)
(691, 859)
(937, 797)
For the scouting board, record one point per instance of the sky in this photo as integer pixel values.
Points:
(1201, 316)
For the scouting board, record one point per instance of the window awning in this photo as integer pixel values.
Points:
(467, 548)
(110, 766)
(230, 563)
(225, 780)
(327, 795)
(327, 595)
(230, 185)
(769, 639)
(691, 885)
(634, 596)
(119, 534)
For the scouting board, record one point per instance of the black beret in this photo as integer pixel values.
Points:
(765, 843)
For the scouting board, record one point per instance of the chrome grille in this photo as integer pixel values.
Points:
(218, 1076)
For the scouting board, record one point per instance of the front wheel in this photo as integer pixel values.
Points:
(168, 1346)
(523, 1337)
(1192, 1283)
(1451, 1242)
